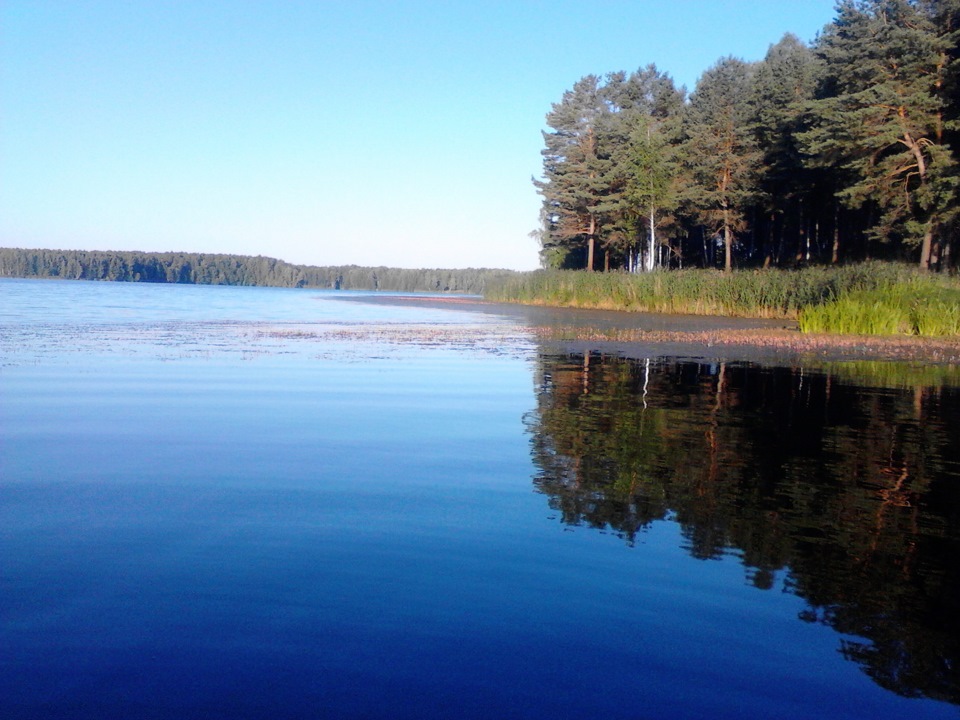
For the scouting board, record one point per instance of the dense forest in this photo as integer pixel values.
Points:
(843, 149)
(180, 267)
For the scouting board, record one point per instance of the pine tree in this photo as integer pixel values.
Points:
(881, 115)
(782, 83)
(722, 151)
(578, 188)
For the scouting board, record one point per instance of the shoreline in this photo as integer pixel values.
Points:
(704, 337)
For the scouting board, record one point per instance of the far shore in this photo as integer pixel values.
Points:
(712, 338)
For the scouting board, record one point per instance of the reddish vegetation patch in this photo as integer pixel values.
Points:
(785, 341)
(705, 338)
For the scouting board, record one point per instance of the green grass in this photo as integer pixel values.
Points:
(925, 306)
(868, 298)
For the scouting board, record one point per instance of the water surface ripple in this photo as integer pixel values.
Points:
(252, 502)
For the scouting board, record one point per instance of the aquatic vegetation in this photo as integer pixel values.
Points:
(925, 306)
(869, 298)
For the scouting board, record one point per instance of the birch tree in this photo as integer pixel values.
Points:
(650, 130)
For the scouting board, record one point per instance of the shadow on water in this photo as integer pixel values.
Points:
(842, 490)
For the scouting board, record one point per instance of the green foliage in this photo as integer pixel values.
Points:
(650, 158)
(881, 115)
(838, 151)
(769, 293)
(577, 189)
(202, 269)
(722, 151)
(928, 307)
(782, 84)
(590, 178)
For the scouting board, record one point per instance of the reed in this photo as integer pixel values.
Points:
(867, 298)
(920, 305)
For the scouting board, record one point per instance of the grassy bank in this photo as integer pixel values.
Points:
(869, 298)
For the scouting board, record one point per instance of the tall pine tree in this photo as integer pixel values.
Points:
(881, 114)
(722, 151)
(577, 184)
(782, 84)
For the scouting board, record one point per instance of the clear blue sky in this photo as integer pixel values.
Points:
(352, 132)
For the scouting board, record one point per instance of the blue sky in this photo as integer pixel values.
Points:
(364, 132)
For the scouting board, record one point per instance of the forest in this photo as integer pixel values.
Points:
(824, 153)
(840, 150)
(204, 269)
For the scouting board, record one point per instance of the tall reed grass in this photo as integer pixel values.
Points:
(873, 298)
(924, 306)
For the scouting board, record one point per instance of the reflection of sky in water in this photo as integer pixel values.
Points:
(79, 303)
(270, 528)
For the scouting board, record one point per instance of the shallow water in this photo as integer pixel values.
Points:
(253, 502)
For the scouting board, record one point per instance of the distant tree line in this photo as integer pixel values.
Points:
(203, 269)
(844, 149)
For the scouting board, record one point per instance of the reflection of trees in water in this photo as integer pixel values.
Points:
(851, 496)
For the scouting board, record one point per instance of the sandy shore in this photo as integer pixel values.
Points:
(692, 336)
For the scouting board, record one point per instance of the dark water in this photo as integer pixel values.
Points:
(239, 503)
(844, 496)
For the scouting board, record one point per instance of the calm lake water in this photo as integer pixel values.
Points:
(265, 503)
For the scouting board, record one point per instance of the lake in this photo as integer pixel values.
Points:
(222, 502)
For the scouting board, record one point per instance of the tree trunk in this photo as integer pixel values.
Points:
(927, 246)
(727, 242)
(590, 243)
(651, 264)
(768, 256)
(801, 235)
(835, 253)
